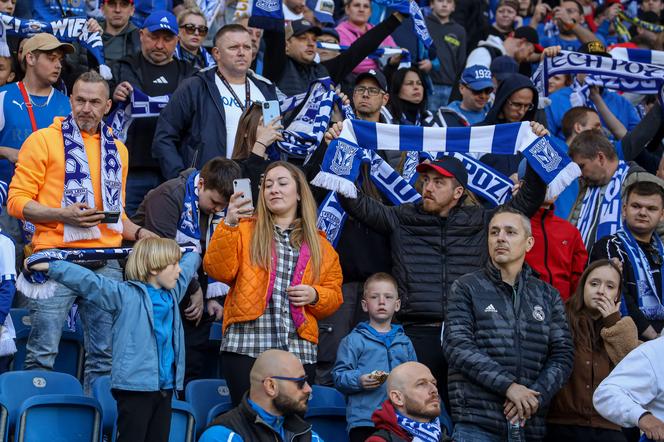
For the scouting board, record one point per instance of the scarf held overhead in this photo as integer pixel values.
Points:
(64, 29)
(340, 167)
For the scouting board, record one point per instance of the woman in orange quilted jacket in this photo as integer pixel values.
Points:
(283, 273)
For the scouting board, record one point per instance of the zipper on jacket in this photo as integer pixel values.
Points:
(443, 231)
(517, 335)
(546, 249)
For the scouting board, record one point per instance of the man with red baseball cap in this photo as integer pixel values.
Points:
(433, 243)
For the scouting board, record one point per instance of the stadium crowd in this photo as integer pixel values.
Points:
(447, 210)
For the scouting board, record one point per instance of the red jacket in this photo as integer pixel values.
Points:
(385, 418)
(559, 255)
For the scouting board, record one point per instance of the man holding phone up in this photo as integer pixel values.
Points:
(639, 248)
(66, 175)
(201, 119)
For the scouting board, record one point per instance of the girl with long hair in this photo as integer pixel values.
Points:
(601, 339)
(283, 273)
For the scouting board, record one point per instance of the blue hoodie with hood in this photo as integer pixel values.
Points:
(363, 351)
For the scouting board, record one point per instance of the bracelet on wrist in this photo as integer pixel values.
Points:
(138, 231)
(261, 143)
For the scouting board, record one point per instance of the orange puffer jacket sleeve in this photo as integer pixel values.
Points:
(228, 260)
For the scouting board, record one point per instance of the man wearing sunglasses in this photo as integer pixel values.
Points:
(476, 88)
(120, 36)
(272, 409)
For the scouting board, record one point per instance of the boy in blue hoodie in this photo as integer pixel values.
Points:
(367, 355)
(148, 341)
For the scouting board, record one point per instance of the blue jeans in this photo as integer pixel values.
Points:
(47, 317)
(139, 183)
(439, 96)
(473, 433)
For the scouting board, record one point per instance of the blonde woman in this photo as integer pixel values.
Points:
(284, 276)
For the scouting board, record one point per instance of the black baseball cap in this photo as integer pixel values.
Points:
(330, 31)
(530, 35)
(299, 27)
(374, 75)
(447, 166)
(594, 48)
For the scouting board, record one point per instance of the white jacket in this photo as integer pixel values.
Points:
(635, 385)
(481, 55)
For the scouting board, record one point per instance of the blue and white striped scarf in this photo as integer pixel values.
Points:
(78, 184)
(340, 166)
(267, 14)
(649, 299)
(189, 230)
(64, 29)
(638, 55)
(138, 105)
(37, 285)
(411, 7)
(607, 213)
(611, 73)
(420, 431)
(382, 54)
(305, 133)
(209, 61)
(210, 8)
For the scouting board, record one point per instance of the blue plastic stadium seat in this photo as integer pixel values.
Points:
(327, 413)
(101, 390)
(183, 423)
(17, 386)
(59, 418)
(203, 394)
(70, 351)
(217, 410)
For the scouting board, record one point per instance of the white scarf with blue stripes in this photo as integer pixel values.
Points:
(340, 166)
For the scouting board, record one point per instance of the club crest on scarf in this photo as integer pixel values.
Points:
(268, 5)
(342, 163)
(545, 155)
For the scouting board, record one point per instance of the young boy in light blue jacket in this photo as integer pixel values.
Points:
(148, 340)
(369, 352)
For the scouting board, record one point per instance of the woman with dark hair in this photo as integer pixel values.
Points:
(601, 339)
(252, 140)
(408, 98)
(284, 276)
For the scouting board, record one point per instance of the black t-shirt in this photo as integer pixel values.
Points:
(157, 80)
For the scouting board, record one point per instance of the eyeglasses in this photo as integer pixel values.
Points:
(191, 29)
(300, 382)
(520, 106)
(372, 91)
(486, 91)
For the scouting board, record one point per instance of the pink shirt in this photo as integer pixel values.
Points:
(348, 33)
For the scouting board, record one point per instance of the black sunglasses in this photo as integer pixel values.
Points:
(300, 382)
(191, 29)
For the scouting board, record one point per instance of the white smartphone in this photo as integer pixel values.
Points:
(270, 111)
(244, 185)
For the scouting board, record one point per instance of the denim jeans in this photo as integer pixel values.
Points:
(438, 97)
(473, 433)
(47, 317)
(139, 183)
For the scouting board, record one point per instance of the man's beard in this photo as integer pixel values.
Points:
(418, 412)
(288, 406)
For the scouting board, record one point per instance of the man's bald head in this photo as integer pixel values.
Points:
(278, 383)
(275, 363)
(412, 390)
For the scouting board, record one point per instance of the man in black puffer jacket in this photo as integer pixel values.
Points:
(506, 340)
(433, 243)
